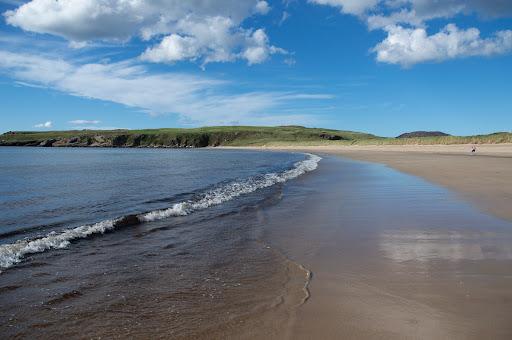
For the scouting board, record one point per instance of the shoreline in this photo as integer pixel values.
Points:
(393, 256)
(484, 178)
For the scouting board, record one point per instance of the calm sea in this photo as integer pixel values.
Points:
(129, 241)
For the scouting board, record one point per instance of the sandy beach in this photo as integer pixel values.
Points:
(397, 260)
(374, 243)
(484, 178)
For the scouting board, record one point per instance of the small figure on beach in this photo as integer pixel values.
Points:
(473, 150)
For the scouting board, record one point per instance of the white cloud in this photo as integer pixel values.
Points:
(285, 16)
(173, 48)
(404, 16)
(262, 7)
(82, 20)
(45, 125)
(417, 12)
(406, 21)
(218, 39)
(448, 8)
(196, 99)
(409, 46)
(357, 7)
(84, 122)
(257, 48)
(194, 29)
(381, 13)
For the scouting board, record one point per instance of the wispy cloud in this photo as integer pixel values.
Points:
(45, 125)
(84, 122)
(197, 99)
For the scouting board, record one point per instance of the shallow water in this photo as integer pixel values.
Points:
(393, 256)
(45, 189)
(191, 260)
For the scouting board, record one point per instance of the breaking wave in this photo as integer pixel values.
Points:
(13, 253)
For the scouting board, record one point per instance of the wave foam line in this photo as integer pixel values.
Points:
(233, 190)
(13, 253)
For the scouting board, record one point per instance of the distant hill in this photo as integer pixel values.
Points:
(182, 138)
(232, 136)
(416, 134)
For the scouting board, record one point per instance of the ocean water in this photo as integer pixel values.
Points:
(136, 242)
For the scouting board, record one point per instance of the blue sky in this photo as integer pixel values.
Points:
(380, 66)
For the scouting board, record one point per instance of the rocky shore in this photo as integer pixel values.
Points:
(127, 140)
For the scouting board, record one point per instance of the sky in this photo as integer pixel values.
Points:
(378, 66)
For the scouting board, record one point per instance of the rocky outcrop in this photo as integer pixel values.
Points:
(120, 140)
(47, 143)
(20, 143)
(69, 142)
(185, 140)
(99, 142)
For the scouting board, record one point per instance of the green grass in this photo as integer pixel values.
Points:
(249, 136)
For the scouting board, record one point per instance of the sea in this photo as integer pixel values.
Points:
(142, 242)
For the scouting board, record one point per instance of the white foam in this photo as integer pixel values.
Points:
(10, 254)
(234, 189)
(13, 253)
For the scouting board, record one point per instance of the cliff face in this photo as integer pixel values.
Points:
(123, 140)
(178, 137)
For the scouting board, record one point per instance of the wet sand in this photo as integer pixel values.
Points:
(484, 178)
(395, 256)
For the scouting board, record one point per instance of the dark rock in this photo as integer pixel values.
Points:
(416, 134)
(127, 221)
(22, 143)
(137, 140)
(120, 140)
(47, 143)
(74, 141)
(201, 142)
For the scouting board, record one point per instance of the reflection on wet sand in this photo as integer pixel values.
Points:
(393, 257)
(425, 245)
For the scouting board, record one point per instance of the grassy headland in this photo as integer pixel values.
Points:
(228, 136)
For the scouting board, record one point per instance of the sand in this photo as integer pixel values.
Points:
(483, 178)
(387, 266)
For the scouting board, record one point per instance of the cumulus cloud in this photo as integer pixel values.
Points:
(196, 99)
(257, 48)
(84, 122)
(409, 46)
(210, 30)
(216, 39)
(406, 22)
(82, 20)
(45, 125)
(262, 7)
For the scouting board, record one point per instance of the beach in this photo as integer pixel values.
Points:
(365, 243)
(484, 178)
(408, 262)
